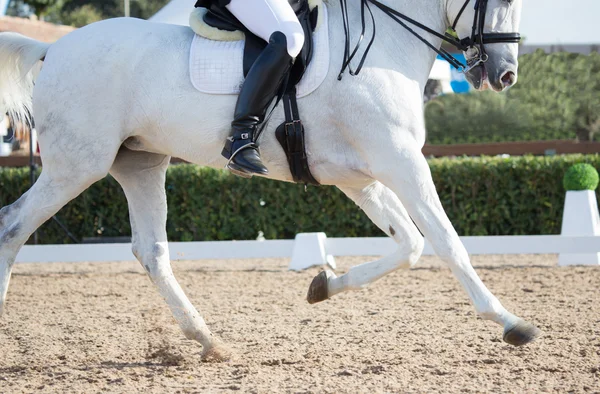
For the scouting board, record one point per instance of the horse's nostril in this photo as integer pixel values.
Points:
(508, 79)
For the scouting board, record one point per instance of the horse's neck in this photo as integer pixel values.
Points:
(394, 46)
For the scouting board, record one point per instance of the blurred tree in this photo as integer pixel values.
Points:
(81, 12)
(557, 97)
(115, 8)
(41, 7)
(475, 117)
(561, 91)
(81, 16)
(18, 8)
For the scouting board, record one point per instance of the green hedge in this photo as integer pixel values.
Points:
(482, 196)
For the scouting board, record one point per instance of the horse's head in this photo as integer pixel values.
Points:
(489, 28)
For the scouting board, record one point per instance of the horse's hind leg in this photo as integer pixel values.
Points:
(56, 186)
(142, 176)
(385, 210)
(414, 186)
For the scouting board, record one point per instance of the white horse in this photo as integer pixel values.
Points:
(115, 97)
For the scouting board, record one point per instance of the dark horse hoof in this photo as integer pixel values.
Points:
(317, 291)
(521, 334)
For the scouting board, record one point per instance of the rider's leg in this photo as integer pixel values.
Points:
(275, 22)
(265, 17)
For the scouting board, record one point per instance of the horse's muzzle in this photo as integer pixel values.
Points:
(483, 77)
(478, 77)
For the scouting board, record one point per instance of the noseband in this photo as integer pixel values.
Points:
(474, 44)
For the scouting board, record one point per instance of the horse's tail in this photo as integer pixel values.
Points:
(19, 57)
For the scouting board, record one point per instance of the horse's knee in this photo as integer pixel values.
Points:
(3, 216)
(152, 257)
(9, 228)
(9, 233)
(3, 223)
(417, 246)
(410, 251)
(410, 241)
(8, 211)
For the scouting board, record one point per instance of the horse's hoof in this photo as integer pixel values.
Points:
(521, 334)
(217, 354)
(317, 291)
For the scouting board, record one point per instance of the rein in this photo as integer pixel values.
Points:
(476, 41)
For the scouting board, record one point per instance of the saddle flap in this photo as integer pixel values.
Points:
(217, 65)
(220, 18)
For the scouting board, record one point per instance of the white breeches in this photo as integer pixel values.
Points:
(265, 17)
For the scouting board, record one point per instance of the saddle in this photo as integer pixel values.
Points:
(289, 134)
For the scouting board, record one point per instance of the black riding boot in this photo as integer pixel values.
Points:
(259, 89)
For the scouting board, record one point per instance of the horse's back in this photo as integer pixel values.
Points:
(112, 68)
(124, 31)
(117, 45)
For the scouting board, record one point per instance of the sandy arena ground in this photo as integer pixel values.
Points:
(88, 328)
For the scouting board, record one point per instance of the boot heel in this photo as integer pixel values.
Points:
(239, 171)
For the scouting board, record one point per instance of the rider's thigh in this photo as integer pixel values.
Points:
(265, 17)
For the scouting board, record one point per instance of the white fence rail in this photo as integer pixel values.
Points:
(509, 244)
(307, 249)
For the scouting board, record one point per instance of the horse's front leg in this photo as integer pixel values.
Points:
(400, 165)
(142, 176)
(385, 210)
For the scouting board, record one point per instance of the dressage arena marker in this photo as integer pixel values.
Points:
(307, 250)
(310, 249)
(580, 218)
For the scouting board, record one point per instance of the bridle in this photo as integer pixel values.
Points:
(473, 44)
(478, 37)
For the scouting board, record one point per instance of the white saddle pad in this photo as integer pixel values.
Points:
(216, 67)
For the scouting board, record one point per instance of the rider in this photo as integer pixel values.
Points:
(275, 22)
